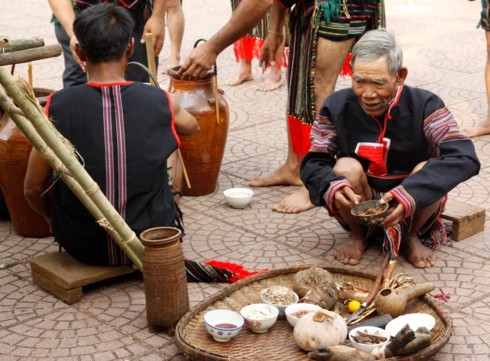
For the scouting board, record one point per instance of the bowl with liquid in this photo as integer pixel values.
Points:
(238, 197)
(223, 324)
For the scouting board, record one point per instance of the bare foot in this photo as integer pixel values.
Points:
(273, 82)
(284, 175)
(297, 202)
(241, 78)
(351, 251)
(417, 254)
(483, 129)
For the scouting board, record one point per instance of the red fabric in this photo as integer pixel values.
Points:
(375, 153)
(300, 136)
(393, 237)
(249, 48)
(238, 271)
(346, 69)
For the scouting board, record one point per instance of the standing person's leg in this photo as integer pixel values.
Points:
(329, 60)
(176, 26)
(247, 48)
(244, 72)
(484, 127)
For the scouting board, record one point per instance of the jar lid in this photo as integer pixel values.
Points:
(174, 74)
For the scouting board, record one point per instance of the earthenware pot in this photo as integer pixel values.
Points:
(203, 151)
(15, 149)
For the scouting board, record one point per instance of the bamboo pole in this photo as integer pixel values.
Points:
(126, 238)
(25, 56)
(7, 45)
(216, 99)
(150, 54)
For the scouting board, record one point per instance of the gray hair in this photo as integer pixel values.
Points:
(376, 43)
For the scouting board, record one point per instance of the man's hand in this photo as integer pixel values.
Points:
(156, 27)
(396, 212)
(269, 50)
(346, 198)
(73, 46)
(200, 61)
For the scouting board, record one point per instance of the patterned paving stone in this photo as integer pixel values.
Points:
(251, 168)
(239, 150)
(458, 274)
(20, 300)
(445, 53)
(66, 333)
(15, 249)
(469, 341)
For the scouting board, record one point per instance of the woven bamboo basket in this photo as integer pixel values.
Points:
(278, 342)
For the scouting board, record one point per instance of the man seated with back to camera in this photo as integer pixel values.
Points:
(124, 132)
(382, 139)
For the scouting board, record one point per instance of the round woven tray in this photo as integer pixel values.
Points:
(278, 342)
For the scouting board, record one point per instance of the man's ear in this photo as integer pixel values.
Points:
(80, 53)
(402, 75)
(130, 48)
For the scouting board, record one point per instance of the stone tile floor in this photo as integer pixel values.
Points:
(444, 52)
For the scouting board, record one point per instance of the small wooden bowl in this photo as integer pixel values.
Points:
(370, 213)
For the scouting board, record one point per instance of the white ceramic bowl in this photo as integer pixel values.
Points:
(414, 321)
(297, 310)
(273, 293)
(223, 325)
(372, 331)
(259, 317)
(238, 197)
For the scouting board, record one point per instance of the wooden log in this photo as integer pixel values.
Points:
(8, 46)
(25, 56)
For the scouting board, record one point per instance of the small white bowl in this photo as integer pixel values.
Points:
(238, 197)
(372, 331)
(268, 294)
(223, 325)
(297, 310)
(259, 317)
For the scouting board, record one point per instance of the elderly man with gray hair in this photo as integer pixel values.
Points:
(382, 139)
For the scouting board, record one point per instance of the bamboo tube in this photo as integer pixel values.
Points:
(216, 99)
(128, 241)
(29, 73)
(8, 46)
(150, 54)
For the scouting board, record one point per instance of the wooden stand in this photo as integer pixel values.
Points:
(63, 276)
(467, 219)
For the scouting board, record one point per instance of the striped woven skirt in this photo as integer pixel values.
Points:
(335, 20)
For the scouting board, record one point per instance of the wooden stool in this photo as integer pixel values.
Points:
(467, 219)
(63, 276)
